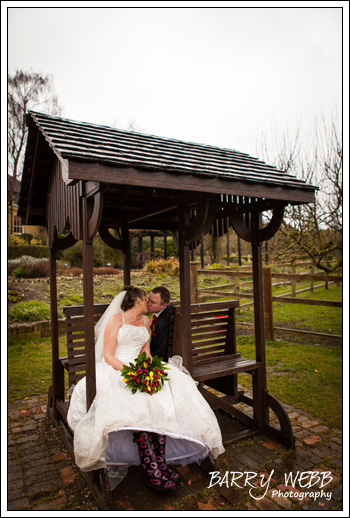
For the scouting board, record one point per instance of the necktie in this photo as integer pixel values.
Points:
(152, 324)
(153, 321)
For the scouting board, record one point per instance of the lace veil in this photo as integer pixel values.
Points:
(112, 309)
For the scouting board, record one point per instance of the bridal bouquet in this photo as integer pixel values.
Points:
(145, 375)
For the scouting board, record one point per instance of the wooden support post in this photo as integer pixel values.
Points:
(88, 291)
(165, 247)
(268, 303)
(126, 255)
(239, 251)
(194, 282)
(261, 406)
(228, 247)
(152, 243)
(202, 254)
(57, 368)
(185, 293)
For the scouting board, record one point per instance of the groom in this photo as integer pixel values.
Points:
(158, 303)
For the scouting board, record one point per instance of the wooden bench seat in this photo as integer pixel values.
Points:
(220, 367)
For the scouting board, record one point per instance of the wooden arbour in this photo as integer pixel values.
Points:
(81, 179)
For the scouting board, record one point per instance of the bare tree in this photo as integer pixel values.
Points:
(26, 91)
(314, 230)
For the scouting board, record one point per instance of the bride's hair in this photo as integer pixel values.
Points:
(132, 294)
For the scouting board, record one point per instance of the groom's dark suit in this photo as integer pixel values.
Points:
(160, 334)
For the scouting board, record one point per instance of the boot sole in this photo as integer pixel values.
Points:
(158, 489)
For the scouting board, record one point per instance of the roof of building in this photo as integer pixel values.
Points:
(139, 171)
(72, 140)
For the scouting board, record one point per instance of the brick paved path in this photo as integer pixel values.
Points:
(42, 476)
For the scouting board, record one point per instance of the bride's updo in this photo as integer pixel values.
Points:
(132, 294)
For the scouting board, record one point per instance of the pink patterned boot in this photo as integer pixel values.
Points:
(156, 478)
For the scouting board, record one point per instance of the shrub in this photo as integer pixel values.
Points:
(102, 254)
(13, 296)
(17, 240)
(169, 266)
(171, 248)
(35, 242)
(19, 272)
(216, 266)
(74, 255)
(31, 311)
(28, 267)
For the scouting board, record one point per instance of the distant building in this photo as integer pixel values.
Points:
(15, 224)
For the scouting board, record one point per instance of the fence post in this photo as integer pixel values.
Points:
(338, 272)
(312, 281)
(326, 282)
(194, 282)
(268, 303)
(293, 280)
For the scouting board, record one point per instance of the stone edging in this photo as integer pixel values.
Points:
(41, 328)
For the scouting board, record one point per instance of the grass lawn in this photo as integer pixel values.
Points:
(321, 319)
(304, 375)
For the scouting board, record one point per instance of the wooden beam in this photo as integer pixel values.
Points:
(57, 369)
(185, 294)
(34, 175)
(259, 330)
(186, 182)
(168, 205)
(126, 255)
(88, 291)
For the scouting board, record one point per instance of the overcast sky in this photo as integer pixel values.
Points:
(219, 75)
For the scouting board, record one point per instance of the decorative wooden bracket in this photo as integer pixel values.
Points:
(93, 191)
(265, 233)
(64, 242)
(199, 225)
(106, 236)
(270, 230)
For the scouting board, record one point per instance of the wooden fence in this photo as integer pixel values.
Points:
(237, 287)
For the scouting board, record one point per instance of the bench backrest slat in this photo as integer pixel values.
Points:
(212, 329)
(75, 332)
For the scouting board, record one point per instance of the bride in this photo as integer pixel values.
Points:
(173, 426)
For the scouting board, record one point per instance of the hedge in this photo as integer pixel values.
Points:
(37, 251)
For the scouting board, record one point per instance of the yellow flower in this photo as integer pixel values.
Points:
(149, 388)
(151, 374)
(125, 379)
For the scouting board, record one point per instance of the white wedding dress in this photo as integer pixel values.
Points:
(103, 436)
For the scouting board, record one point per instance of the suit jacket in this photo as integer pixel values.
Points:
(161, 329)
